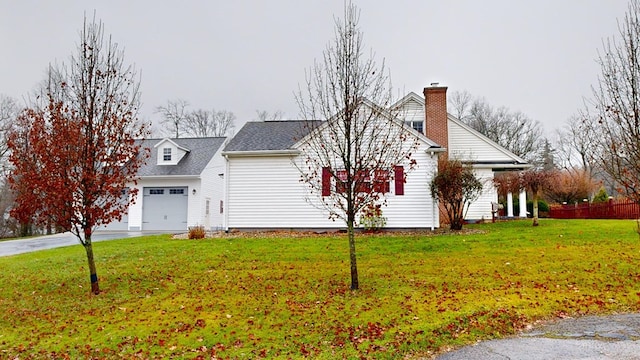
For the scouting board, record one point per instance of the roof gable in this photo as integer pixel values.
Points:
(466, 143)
(395, 120)
(199, 152)
(168, 152)
(284, 136)
(411, 107)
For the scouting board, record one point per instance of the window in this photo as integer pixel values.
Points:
(377, 180)
(416, 125)
(176, 191)
(381, 181)
(156, 191)
(341, 178)
(206, 207)
(166, 154)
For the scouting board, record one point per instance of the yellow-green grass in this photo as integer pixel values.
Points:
(269, 297)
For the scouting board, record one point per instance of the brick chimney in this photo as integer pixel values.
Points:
(435, 110)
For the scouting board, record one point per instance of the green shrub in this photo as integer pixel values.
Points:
(601, 196)
(543, 208)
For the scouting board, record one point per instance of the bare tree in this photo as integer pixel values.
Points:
(575, 144)
(205, 123)
(359, 145)
(9, 110)
(73, 158)
(512, 130)
(264, 115)
(460, 103)
(174, 115)
(616, 104)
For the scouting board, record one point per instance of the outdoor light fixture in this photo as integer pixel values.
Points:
(193, 191)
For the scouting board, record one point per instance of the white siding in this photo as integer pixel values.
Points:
(465, 144)
(416, 208)
(266, 192)
(212, 186)
(481, 208)
(412, 110)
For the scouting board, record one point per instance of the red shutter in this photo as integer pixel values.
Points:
(326, 181)
(399, 180)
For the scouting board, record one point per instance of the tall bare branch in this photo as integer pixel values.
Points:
(357, 135)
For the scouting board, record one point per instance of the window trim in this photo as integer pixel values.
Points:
(413, 123)
(167, 154)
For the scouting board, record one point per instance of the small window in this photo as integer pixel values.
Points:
(206, 207)
(416, 125)
(166, 152)
(176, 191)
(156, 191)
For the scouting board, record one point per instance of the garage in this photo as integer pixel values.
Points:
(164, 208)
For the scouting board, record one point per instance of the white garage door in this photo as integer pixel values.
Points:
(164, 208)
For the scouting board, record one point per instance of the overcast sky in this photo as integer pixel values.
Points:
(535, 56)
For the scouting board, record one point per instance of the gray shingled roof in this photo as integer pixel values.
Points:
(269, 135)
(201, 150)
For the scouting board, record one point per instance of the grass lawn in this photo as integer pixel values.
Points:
(289, 297)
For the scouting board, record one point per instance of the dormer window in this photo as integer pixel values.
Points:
(169, 153)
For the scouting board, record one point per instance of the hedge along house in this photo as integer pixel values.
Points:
(429, 115)
(181, 185)
(265, 191)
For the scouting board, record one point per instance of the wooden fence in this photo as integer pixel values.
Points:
(621, 209)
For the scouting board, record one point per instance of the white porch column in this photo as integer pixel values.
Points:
(509, 204)
(523, 204)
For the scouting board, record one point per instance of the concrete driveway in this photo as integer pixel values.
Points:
(13, 247)
(591, 337)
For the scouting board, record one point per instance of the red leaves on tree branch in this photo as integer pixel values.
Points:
(69, 171)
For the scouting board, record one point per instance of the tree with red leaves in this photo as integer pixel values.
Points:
(455, 186)
(73, 157)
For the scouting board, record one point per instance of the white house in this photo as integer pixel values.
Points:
(181, 185)
(429, 114)
(263, 187)
(264, 190)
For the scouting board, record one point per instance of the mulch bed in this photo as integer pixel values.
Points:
(233, 234)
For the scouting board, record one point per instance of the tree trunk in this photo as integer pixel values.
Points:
(352, 252)
(457, 217)
(88, 246)
(535, 209)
